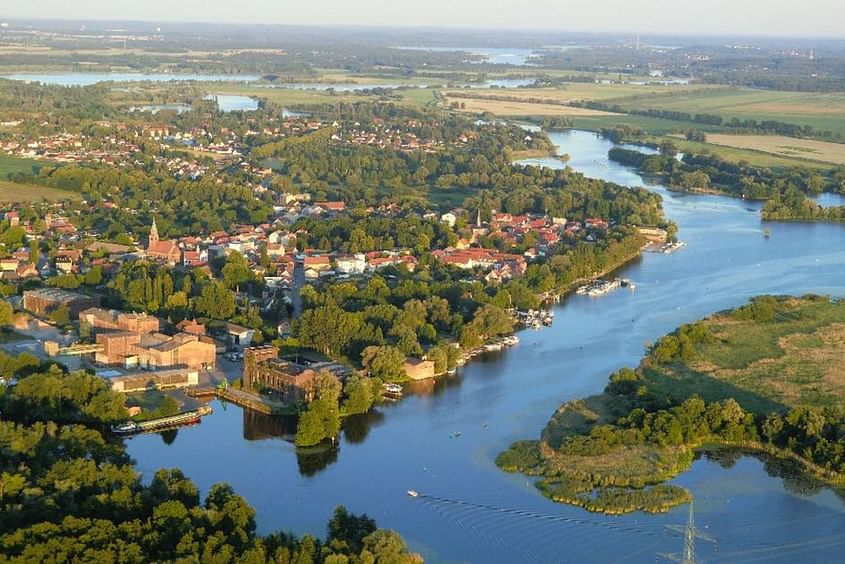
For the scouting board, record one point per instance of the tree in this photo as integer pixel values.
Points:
(60, 316)
(94, 277)
(215, 301)
(386, 362)
(236, 271)
(7, 314)
(347, 531)
(328, 387)
(359, 395)
(319, 422)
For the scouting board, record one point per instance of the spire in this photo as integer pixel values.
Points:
(153, 234)
(478, 218)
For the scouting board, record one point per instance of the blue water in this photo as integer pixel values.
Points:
(234, 103)
(471, 511)
(492, 55)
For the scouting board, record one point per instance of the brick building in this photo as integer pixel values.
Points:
(100, 320)
(288, 381)
(45, 301)
(155, 350)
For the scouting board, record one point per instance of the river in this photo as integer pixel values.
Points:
(472, 512)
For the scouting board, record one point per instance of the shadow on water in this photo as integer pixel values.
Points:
(356, 427)
(314, 460)
(258, 427)
(169, 436)
(795, 478)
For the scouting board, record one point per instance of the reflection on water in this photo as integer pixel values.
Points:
(502, 397)
(258, 427)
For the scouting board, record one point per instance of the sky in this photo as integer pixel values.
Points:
(804, 18)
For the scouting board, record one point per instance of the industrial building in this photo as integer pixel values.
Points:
(99, 320)
(288, 381)
(44, 301)
(159, 380)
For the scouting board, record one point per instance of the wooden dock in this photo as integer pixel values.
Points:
(241, 398)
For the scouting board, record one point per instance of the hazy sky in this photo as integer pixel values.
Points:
(751, 17)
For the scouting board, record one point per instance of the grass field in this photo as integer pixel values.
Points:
(751, 156)
(657, 126)
(824, 111)
(12, 165)
(771, 355)
(14, 192)
(784, 146)
(795, 359)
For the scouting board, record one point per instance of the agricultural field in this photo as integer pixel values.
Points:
(823, 111)
(574, 91)
(753, 157)
(518, 109)
(784, 146)
(654, 125)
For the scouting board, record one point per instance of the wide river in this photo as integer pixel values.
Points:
(469, 511)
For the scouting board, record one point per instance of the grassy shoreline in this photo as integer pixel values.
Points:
(614, 452)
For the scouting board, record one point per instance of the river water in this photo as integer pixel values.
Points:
(472, 512)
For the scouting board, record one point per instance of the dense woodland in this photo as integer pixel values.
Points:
(785, 190)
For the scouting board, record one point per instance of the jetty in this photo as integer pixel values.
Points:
(248, 400)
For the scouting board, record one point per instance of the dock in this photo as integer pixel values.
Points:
(241, 398)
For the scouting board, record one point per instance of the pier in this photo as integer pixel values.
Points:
(241, 398)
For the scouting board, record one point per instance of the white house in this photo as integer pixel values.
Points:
(351, 264)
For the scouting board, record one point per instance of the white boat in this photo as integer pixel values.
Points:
(413, 493)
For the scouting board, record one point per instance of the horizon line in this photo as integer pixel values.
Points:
(439, 27)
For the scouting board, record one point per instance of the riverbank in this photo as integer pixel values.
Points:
(728, 380)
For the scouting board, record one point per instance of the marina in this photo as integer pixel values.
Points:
(601, 287)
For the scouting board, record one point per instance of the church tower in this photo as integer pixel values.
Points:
(153, 235)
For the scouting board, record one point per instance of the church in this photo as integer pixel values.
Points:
(167, 251)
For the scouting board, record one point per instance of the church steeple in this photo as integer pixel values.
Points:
(153, 234)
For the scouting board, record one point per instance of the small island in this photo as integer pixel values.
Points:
(767, 377)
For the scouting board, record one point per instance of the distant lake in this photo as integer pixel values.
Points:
(493, 55)
(234, 103)
(89, 78)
